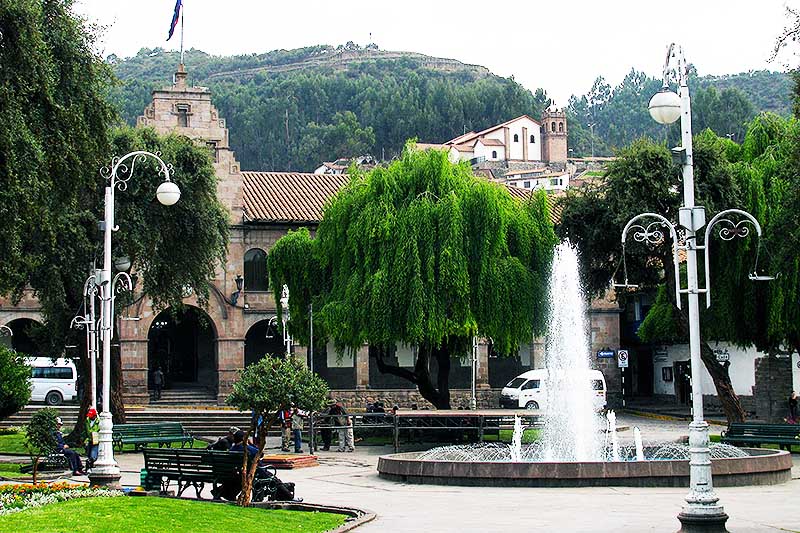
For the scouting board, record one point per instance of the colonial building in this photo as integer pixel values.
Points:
(203, 349)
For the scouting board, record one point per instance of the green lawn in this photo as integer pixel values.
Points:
(152, 514)
(11, 471)
(15, 444)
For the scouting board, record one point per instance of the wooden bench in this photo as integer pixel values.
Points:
(140, 435)
(748, 433)
(195, 468)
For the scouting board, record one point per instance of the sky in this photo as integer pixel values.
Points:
(561, 46)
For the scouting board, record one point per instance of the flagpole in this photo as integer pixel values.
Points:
(183, 7)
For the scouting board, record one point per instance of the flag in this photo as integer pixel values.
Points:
(174, 19)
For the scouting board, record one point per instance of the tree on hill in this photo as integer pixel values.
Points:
(424, 254)
(264, 388)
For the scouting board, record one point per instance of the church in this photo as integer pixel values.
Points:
(202, 349)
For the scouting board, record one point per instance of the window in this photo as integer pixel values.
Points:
(516, 138)
(527, 184)
(553, 127)
(554, 182)
(515, 383)
(533, 139)
(561, 127)
(336, 360)
(406, 355)
(494, 154)
(52, 372)
(532, 384)
(255, 270)
(183, 115)
(597, 384)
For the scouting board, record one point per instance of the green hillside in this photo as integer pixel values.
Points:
(292, 109)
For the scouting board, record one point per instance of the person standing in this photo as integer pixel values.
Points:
(285, 416)
(297, 428)
(74, 459)
(92, 436)
(345, 423)
(326, 431)
(793, 408)
(158, 383)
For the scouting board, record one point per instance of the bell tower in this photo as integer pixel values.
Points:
(554, 136)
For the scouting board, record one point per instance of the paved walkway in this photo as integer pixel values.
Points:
(351, 479)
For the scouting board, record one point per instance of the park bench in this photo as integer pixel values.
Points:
(140, 435)
(195, 468)
(747, 433)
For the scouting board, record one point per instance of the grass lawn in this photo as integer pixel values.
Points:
(152, 514)
(11, 471)
(15, 444)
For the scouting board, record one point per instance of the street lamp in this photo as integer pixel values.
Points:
(5, 331)
(285, 307)
(473, 400)
(105, 470)
(702, 511)
(89, 321)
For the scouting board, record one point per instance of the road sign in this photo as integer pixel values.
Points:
(606, 354)
(622, 358)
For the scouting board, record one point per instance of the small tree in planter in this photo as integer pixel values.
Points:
(40, 436)
(263, 388)
(15, 388)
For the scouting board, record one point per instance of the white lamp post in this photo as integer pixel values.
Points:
(285, 307)
(5, 331)
(105, 470)
(702, 511)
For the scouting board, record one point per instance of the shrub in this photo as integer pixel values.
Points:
(15, 375)
(40, 436)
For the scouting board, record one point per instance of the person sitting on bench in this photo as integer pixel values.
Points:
(74, 459)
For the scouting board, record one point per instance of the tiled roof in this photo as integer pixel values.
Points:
(287, 196)
(299, 197)
(470, 136)
(491, 142)
(463, 148)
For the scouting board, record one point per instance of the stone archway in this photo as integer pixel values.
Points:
(263, 337)
(22, 339)
(184, 345)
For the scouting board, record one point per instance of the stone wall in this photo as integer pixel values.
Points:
(772, 389)
(406, 398)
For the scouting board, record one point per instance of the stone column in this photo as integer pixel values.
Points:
(482, 377)
(133, 355)
(230, 360)
(606, 334)
(362, 367)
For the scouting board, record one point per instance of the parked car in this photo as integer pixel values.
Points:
(52, 381)
(529, 390)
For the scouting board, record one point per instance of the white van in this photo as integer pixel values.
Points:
(529, 390)
(52, 381)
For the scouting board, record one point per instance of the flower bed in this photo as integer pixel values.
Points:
(18, 497)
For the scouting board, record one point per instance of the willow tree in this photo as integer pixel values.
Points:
(421, 253)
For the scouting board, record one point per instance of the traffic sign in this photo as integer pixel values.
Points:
(622, 358)
(606, 354)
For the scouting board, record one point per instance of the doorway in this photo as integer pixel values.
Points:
(683, 382)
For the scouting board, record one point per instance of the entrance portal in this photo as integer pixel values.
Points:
(263, 338)
(183, 345)
(23, 340)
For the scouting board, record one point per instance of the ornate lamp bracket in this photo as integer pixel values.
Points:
(731, 229)
(651, 233)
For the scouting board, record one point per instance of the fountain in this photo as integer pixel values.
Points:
(576, 447)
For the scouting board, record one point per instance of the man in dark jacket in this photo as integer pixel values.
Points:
(74, 459)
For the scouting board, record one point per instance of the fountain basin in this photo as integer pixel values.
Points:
(760, 467)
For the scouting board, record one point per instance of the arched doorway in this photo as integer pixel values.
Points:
(22, 339)
(183, 344)
(263, 337)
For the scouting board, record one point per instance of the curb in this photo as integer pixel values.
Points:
(673, 418)
(356, 517)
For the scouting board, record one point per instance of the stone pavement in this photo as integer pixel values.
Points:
(351, 479)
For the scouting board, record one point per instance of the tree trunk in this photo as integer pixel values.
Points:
(117, 398)
(249, 467)
(421, 375)
(731, 405)
(76, 435)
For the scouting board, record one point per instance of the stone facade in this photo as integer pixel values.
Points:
(772, 389)
(554, 136)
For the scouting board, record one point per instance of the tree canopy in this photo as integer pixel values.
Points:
(421, 253)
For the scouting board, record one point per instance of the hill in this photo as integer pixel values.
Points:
(293, 109)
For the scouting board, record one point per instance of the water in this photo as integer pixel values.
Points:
(637, 440)
(572, 429)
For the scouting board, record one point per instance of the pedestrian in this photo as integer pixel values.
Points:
(285, 417)
(74, 459)
(297, 428)
(239, 445)
(158, 383)
(793, 408)
(92, 436)
(345, 427)
(224, 443)
(326, 431)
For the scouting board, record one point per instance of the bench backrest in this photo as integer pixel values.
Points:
(208, 463)
(163, 429)
(744, 429)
